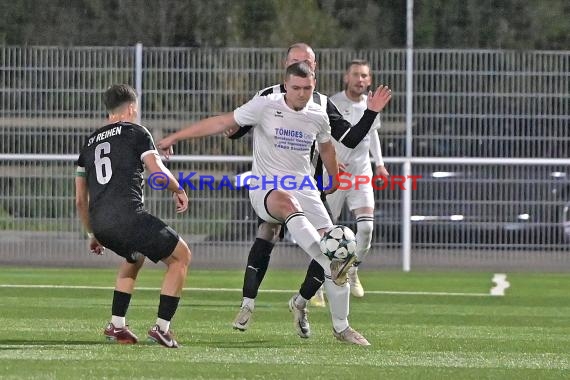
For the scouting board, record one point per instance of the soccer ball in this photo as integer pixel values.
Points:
(338, 243)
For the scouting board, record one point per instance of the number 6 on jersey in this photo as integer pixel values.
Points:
(102, 163)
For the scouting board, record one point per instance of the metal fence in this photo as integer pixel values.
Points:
(486, 211)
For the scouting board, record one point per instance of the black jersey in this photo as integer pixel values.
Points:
(112, 162)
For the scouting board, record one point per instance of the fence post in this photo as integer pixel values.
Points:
(138, 77)
(407, 194)
(406, 218)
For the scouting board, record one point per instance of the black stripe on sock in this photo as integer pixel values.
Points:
(293, 215)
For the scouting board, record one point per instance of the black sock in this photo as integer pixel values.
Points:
(121, 302)
(257, 263)
(167, 307)
(314, 279)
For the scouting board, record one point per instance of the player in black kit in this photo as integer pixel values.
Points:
(109, 199)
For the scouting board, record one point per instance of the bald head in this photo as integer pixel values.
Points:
(301, 52)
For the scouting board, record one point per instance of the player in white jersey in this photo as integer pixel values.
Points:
(281, 154)
(359, 197)
(267, 235)
(285, 127)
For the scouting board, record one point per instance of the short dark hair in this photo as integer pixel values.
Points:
(117, 95)
(359, 62)
(299, 69)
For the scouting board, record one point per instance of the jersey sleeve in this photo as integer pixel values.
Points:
(244, 129)
(324, 134)
(266, 91)
(341, 129)
(241, 132)
(249, 114)
(144, 143)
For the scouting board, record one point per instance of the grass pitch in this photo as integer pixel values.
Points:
(421, 325)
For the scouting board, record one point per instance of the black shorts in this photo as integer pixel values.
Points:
(138, 232)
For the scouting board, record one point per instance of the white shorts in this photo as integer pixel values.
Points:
(363, 197)
(309, 200)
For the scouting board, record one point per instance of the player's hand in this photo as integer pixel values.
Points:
(333, 186)
(342, 167)
(181, 200)
(165, 146)
(230, 131)
(378, 100)
(381, 171)
(96, 247)
(381, 174)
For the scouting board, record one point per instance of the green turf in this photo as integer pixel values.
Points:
(56, 333)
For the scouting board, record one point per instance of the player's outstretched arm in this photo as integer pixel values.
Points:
(206, 127)
(154, 164)
(351, 136)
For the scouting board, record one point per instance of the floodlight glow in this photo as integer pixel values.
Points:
(558, 174)
(444, 174)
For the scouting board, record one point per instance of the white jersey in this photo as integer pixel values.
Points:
(359, 157)
(282, 137)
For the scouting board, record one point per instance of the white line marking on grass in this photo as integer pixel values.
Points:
(501, 284)
(239, 290)
(428, 293)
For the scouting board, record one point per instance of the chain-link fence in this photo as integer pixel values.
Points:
(477, 104)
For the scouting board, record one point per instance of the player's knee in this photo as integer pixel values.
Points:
(182, 253)
(293, 205)
(187, 256)
(283, 203)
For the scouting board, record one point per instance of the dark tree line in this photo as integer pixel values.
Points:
(358, 24)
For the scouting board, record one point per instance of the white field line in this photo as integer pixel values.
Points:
(239, 290)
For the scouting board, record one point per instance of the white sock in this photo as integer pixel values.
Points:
(308, 239)
(118, 322)
(339, 304)
(364, 227)
(163, 324)
(249, 302)
(300, 302)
